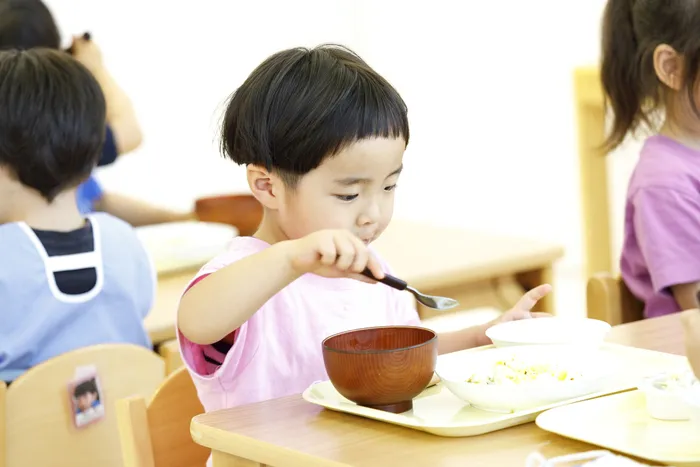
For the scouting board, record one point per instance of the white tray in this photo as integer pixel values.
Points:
(621, 423)
(436, 410)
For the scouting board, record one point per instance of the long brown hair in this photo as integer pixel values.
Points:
(632, 30)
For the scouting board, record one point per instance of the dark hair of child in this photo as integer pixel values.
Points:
(301, 106)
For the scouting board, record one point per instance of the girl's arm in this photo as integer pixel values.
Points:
(685, 295)
(121, 116)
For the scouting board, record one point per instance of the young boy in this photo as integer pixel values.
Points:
(66, 281)
(322, 136)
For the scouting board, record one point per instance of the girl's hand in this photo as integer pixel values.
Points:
(333, 253)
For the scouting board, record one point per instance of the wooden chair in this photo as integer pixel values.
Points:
(242, 211)
(609, 299)
(36, 416)
(590, 113)
(170, 351)
(158, 434)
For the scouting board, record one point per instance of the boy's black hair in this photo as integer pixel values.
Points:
(26, 24)
(86, 387)
(301, 106)
(52, 119)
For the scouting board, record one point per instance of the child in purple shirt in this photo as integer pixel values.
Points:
(650, 63)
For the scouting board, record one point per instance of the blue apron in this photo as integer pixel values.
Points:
(38, 321)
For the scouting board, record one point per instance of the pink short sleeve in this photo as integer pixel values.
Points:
(667, 225)
(205, 360)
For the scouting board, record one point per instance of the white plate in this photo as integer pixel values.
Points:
(555, 330)
(507, 397)
(182, 245)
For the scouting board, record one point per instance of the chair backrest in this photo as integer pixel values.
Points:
(38, 414)
(158, 434)
(590, 113)
(242, 211)
(170, 351)
(609, 299)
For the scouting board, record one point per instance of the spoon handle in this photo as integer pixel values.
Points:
(389, 280)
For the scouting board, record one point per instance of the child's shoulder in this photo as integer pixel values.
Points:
(666, 164)
(108, 221)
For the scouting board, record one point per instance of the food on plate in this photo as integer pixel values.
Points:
(514, 370)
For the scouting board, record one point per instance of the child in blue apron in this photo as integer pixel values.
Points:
(66, 280)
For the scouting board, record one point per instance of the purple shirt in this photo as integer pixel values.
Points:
(662, 224)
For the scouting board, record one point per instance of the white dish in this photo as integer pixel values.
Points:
(666, 395)
(182, 245)
(555, 330)
(591, 373)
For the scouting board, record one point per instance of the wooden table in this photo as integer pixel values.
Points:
(160, 322)
(291, 432)
(476, 269)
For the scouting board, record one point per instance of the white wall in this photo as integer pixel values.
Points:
(488, 85)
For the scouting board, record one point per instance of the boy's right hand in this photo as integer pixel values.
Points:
(333, 253)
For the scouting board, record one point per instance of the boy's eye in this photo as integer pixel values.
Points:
(346, 197)
(390, 187)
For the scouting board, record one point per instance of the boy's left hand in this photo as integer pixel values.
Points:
(523, 309)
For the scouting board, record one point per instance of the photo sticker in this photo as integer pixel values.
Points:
(86, 400)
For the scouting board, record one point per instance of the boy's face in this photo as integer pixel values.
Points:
(353, 190)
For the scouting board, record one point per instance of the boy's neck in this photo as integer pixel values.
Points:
(269, 231)
(61, 215)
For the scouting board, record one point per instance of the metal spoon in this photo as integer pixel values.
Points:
(438, 303)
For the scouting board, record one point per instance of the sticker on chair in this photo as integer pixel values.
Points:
(86, 401)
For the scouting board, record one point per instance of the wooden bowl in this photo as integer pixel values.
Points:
(381, 367)
(242, 211)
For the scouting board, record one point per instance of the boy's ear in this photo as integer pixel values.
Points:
(265, 186)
